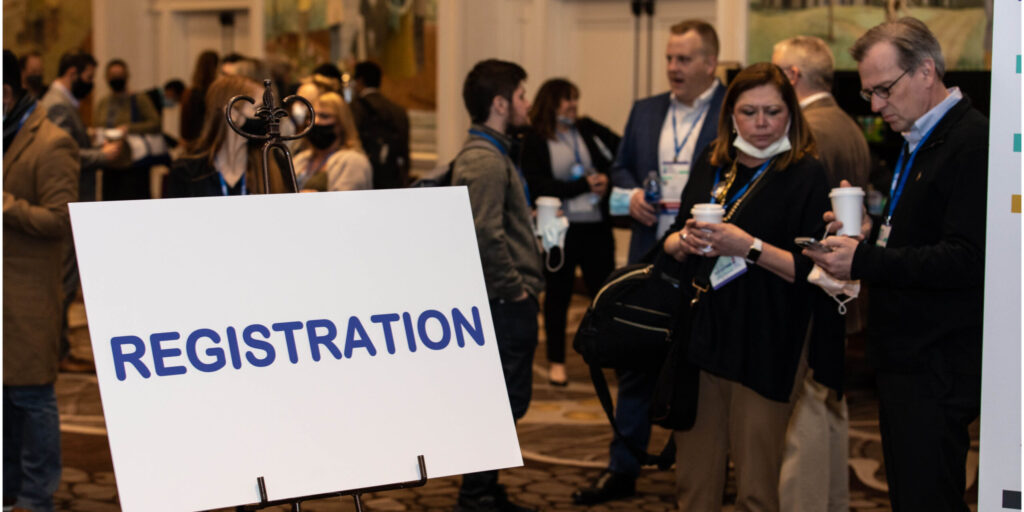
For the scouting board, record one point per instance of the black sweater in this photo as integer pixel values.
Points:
(752, 329)
(926, 285)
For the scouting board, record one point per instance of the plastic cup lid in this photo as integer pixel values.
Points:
(846, 191)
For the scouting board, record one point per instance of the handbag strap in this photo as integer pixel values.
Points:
(663, 460)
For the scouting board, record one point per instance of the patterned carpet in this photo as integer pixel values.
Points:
(564, 439)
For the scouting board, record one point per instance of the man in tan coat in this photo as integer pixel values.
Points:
(40, 177)
(814, 474)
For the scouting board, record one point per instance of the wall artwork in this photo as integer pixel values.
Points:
(962, 26)
(50, 27)
(400, 35)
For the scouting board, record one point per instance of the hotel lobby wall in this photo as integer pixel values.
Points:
(160, 39)
(591, 42)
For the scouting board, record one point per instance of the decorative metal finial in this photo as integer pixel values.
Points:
(272, 115)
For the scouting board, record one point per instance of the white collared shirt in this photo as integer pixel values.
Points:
(814, 97)
(685, 116)
(931, 118)
(64, 90)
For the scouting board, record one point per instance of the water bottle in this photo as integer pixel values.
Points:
(652, 188)
(594, 198)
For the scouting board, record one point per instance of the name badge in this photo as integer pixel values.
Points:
(726, 269)
(674, 176)
(577, 171)
(883, 235)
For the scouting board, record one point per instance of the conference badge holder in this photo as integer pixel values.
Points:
(272, 114)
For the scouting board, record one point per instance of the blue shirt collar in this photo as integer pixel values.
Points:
(931, 118)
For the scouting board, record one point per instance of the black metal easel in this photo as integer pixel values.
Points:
(272, 114)
(355, 493)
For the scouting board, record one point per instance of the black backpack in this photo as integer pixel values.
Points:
(381, 141)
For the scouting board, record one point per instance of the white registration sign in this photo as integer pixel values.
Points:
(321, 341)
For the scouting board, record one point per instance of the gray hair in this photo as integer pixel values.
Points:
(812, 56)
(913, 42)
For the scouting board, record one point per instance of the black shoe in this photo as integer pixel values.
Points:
(609, 486)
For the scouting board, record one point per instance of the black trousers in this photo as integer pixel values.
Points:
(515, 326)
(923, 419)
(592, 247)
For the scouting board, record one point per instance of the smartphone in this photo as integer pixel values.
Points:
(811, 243)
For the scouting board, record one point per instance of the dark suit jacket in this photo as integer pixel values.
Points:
(927, 283)
(841, 144)
(638, 153)
(65, 114)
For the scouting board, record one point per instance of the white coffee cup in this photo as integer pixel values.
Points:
(708, 212)
(547, 209)
(848, 206)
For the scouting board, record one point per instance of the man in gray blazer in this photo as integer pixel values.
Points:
(814, 473)
(72, 85)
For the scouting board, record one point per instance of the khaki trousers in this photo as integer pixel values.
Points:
(815, 476)
(736, 421)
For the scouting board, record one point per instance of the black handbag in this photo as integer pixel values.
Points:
(628, 326)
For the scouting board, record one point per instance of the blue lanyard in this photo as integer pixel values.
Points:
(28, 112)
(501, 147)
(573, 134)
(224, 185)
(739, 194)
(675, 138)
(900, 174)
(491, 139)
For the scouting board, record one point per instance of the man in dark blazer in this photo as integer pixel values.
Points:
(814, 473)
(925, 266)
(383, 128)
(664, 134)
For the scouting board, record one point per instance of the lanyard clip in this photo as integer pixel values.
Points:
(696, 296)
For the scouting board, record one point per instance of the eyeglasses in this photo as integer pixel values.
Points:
(882, 91)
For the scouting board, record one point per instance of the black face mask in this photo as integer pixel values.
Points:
(34, 82)
(118, 84)
(255, 126)
(80, 89)
(321, 136)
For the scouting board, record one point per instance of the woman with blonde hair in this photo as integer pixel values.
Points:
(221, 161)
(335, 159)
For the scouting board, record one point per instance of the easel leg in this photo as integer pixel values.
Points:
(359, 502)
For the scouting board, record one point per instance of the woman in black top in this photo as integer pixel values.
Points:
(747, 336)
(223, 163)
(568, 158)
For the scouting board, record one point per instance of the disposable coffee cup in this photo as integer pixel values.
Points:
(547, 209)
(708, 212)
(848, 205)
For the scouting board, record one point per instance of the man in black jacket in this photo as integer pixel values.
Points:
(383, 128)
(925, 267)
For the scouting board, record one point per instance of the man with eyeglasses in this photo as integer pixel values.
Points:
(925, 267)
